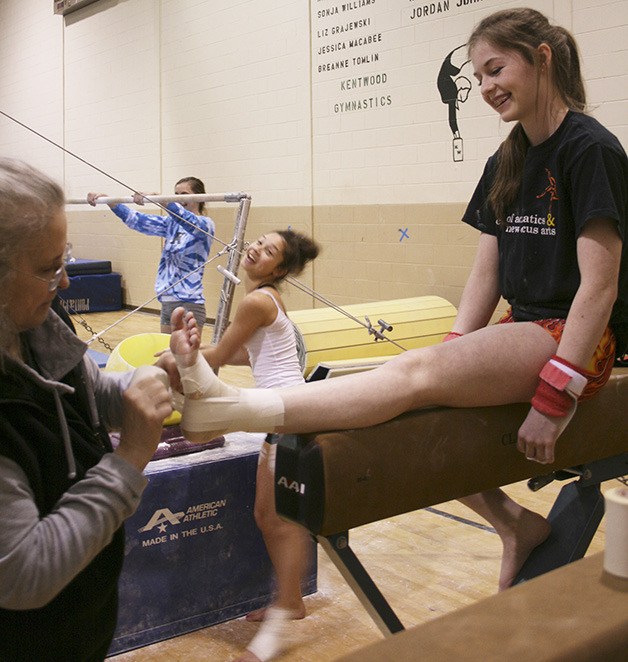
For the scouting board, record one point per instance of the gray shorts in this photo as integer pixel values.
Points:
(197, 309)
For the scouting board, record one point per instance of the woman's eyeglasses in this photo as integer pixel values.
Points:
(53, 283)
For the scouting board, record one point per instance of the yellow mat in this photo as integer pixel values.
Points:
(331, 336)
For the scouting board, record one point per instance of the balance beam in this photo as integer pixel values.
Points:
(330, 335)
(573, 614)
(335, 481)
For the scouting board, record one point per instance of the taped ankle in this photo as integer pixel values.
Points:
(200, 381)
(274, 635)
(247, 410)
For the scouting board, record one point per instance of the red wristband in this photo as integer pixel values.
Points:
(452, 335)
(560, 385)
(550, 401)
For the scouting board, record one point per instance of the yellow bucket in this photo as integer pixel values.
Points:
(138, 350)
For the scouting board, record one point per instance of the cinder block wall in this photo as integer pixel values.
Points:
(252, 97)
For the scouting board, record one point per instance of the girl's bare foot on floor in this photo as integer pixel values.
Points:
(532, 530)
(258, 615)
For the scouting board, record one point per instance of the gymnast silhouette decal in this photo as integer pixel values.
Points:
(552, 191)
(454, 89)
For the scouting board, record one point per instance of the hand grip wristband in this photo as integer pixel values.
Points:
(561, 384)
(452, 335)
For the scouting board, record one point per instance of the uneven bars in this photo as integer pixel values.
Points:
(161, 199)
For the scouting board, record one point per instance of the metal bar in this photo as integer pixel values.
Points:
(228, 286)
(160, 199)
(234, 249)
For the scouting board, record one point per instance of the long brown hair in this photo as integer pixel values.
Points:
(523, 31)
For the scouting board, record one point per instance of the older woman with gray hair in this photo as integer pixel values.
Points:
(64, 491)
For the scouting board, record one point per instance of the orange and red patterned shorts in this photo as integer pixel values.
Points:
(601, 364)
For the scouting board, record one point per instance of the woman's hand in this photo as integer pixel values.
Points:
(538, 435)
(166, 361)
(92, 197)
(145, 405)
(139, 197)
(599, 257)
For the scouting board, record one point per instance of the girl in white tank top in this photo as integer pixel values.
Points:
(262, 336)
(272, 349)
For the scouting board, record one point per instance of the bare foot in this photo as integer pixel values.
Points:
(247, 656)
(258, 615)
(273, 637)
(532, 529)
(184, 339)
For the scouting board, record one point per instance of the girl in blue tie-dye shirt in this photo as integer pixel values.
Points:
(187, 239)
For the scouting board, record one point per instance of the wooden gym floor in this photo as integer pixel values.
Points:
(426, 563)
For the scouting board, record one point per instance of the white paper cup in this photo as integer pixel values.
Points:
(616, 546)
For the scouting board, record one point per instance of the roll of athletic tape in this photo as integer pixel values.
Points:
(616, 546)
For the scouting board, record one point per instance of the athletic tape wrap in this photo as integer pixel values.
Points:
(199, 381)
(561, 384)
(144, 371)
(178, 401)
(212, 407)
(273, 637)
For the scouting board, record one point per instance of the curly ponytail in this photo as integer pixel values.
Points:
(299, 250)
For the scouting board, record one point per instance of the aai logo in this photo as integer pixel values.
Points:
(293, 485)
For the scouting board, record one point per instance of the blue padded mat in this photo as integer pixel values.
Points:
(93, 293)
(83, 266)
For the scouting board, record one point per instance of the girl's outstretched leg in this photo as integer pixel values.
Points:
(492, 366)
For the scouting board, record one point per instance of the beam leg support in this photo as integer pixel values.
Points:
(342, 556)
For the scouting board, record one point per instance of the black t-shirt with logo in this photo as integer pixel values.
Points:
(578, 174)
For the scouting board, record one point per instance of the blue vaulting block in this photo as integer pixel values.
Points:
(93, 293)
(194, 555)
